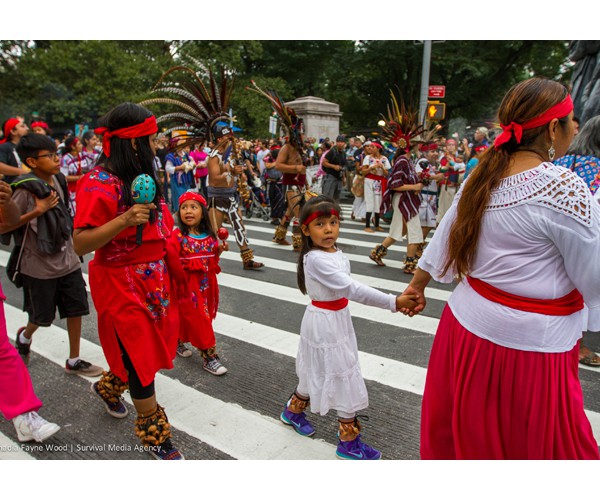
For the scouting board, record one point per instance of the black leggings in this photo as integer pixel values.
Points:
(136, 389)
(368, 219)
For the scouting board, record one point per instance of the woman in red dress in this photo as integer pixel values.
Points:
(130, 283)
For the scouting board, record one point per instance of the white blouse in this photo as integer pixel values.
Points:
(327, 278)
(540, 238)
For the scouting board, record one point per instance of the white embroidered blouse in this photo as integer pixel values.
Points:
(540, 238)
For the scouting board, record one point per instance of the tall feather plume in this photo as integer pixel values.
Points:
(286, 116)
(202, 101)
(401, 123)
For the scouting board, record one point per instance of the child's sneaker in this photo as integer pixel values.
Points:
(356, 450)
(165, 451)
(24, 349)
(183, 350)
(297, 421)
(117, 409)
(82, 367)
(213, 365)
(30, 426)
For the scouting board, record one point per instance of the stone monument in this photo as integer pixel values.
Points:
(321, 118)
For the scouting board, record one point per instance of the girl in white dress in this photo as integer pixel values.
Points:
(327, 364)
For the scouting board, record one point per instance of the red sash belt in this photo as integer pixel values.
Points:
(331, 305)
(563, 306)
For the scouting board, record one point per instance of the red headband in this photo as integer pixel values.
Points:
(316, 215)
(190, 195)
(429, 147)
(43, 125)
(560, 110)
(8, 126)
(147, 127)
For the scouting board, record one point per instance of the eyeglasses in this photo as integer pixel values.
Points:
(52, 156)
(156, 140)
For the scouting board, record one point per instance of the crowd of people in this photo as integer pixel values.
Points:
(62, 199)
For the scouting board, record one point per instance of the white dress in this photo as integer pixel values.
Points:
(540, 238)
(327, 363)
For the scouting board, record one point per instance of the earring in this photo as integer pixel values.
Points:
(551, 152)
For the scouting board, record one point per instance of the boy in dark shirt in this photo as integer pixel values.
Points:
(50, 267)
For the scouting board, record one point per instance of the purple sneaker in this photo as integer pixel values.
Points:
(298, 422)
(356, 450)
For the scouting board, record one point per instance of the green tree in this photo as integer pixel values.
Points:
(76, 81)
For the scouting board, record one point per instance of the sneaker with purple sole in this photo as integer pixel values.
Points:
(356, 450)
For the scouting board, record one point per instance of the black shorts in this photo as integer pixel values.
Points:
(41, 297)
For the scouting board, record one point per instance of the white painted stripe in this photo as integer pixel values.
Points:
(11, 450)
(208, 419)
(418, 323)
(395, 286)
(347, 241)
(347, 227)
(386, 371)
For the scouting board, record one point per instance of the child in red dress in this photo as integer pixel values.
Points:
(198, 250)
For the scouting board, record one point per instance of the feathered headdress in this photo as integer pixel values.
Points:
(202, 103)
(401, 124)
(288, 119)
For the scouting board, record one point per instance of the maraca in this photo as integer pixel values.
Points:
(143, 190)
(222, 234)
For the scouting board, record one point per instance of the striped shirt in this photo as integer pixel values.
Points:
(403, 173)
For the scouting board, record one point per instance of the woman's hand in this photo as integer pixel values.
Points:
(418, 187)
(137, 214)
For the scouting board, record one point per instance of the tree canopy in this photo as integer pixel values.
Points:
(70, 82)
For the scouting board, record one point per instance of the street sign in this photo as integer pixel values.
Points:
(272, 125)
(438, 91)
(436, 110)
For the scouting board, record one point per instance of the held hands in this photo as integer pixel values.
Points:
(406, 302)
(138, 214)
(411, 302)
(42, 205)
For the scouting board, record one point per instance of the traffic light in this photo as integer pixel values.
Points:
(436, 110)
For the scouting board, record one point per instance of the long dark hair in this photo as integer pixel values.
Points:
(205, 224)
(126, 162)
(523, 102)
(319, 203)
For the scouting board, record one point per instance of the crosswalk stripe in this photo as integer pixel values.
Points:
(419, 323)
(392, 262)
(395, 286)
(208, 419)
(347, 241)
(389, 372)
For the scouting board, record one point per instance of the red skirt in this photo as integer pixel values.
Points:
(134, 303)
(196, 314)
(483, 401)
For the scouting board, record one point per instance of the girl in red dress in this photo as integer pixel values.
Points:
(198, 249)
(130, 284)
